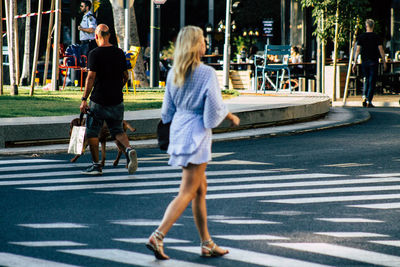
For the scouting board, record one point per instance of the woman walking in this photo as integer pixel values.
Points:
(193, 104)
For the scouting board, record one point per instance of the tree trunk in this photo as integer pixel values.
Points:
(140, 73)
(27, 48)
(16, 43)
(9, 5)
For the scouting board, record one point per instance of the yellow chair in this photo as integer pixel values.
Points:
(131, 56)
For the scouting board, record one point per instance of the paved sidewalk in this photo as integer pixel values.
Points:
(252, 108)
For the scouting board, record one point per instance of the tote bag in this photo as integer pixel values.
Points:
(76, 140)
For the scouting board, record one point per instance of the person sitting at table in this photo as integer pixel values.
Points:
(296, 57)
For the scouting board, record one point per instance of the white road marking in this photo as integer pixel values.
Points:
(286, 213)
(48, 243)
(382, 174)
(344, 252)
(246, 221)
(13, 260)
(128, 257)
(174, 190)
(28, 161)
(34, 167)
(383, 206)
(350, 234)
(145, 240)
(140, 222)
(348, 165)
(54, 225)
(238, 162)
(394, 243)
(78, 172)
(349, 220)
(302, 192)
(255, 258)
(308, 200)
(251, 237)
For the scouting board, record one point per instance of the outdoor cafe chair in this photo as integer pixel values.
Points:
(282, 52)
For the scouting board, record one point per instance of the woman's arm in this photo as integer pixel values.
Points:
(235, 121)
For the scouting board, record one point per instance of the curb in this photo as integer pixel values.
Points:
(337, 117)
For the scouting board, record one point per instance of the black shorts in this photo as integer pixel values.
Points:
(112, 115)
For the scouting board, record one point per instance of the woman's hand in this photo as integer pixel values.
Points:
(235, 121)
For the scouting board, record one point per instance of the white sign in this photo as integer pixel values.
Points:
(159, 2)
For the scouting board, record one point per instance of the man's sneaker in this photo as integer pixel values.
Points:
(364, 103)
(132, 157)
(370, 105)
(94, 169)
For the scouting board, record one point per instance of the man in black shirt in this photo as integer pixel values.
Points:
(107, 76)
(370, 46)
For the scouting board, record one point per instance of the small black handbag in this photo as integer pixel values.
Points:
(163, 135)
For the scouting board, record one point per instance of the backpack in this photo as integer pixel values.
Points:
(73, 50)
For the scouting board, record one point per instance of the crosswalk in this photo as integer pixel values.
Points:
(280, 194)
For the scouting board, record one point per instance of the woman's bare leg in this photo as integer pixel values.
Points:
(199, 209)
(187, 192)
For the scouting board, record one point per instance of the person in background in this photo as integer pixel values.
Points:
(106, 78)
(193, 104)
(369, 45)
(87, 28)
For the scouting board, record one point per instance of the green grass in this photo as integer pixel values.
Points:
(67, 102)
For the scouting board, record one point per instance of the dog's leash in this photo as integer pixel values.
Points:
(88, 113)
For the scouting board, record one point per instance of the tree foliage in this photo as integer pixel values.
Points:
(349, 11)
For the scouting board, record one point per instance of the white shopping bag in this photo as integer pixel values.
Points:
(76, 140)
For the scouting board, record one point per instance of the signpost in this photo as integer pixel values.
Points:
(268, 28)
(155, 42)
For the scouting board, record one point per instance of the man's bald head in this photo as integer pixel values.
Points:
(103, 31)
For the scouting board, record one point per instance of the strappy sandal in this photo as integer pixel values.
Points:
(156, 245)
(210, 252)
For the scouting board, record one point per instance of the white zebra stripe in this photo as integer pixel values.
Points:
(128, 257)
(27, 161)
(383, 206)
(140, 222)
(349, 220)
(308, 200)
(53, 225)
(295, 192)
(164, 183)
(13, 260)
(145, 240)
(255, 258)
(249, 221)
(350, 234)
(251, 237)
(48, 243)
(344, 252)
(78, 172)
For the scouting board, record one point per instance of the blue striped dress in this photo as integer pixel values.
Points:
(194, 110)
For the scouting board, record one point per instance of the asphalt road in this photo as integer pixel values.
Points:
(327, 198)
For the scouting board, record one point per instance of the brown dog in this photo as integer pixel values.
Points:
(103, 135)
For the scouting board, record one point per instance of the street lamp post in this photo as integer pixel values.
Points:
(209, 30)
(227, 46)
(155, 45)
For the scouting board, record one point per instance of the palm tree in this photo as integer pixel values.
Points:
(24, 80)
(119, 23)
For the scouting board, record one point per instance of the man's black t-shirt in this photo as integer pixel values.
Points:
(109, 64)
(369, 42)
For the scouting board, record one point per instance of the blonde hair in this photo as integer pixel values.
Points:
(370, 23)
(187, 54)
